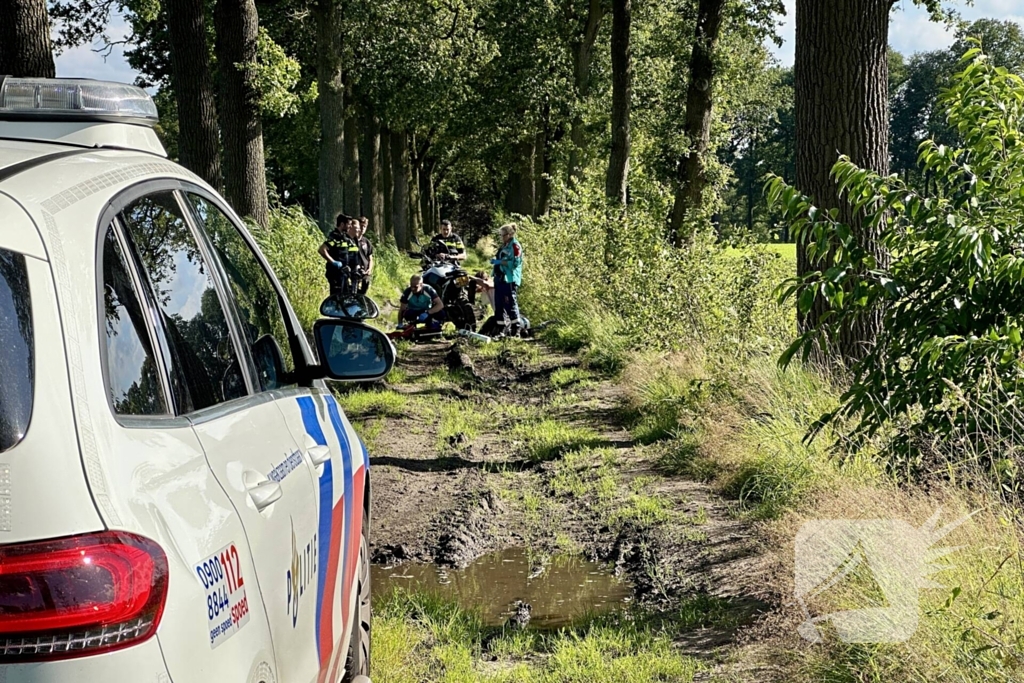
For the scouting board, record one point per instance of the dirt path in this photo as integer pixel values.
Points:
(476, 450)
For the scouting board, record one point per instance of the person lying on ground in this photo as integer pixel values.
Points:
(420, 302)
(341, 253)
(492, 326)
(446, 244)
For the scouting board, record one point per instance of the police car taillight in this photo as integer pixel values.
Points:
(80, 595)
(74, 99)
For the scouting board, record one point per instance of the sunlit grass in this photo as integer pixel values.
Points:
(640, 511)
(370, 432)
(547, 438)
(431, 640)
(459, 422)
(384, 402)
(566, 377)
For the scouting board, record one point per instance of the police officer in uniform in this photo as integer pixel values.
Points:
(342, 255)
(447, 244)
(365, 255)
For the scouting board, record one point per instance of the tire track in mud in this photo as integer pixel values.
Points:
(449, 503)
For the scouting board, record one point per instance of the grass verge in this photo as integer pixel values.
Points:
(419, 638)
(747, 437)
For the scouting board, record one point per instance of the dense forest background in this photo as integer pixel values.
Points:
(407, 111)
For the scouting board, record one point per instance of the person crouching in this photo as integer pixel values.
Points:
(420, 303)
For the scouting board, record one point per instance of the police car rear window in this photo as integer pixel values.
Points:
(17, 365)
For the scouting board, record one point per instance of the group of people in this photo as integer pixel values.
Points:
(349, 256)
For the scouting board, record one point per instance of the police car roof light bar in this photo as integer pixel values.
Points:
(74, 99)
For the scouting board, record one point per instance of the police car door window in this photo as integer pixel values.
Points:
(253, 291)
(17, 364)
(205, 365)
(132, 377)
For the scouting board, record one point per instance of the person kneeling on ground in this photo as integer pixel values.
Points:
(420, 302)
(486, 289)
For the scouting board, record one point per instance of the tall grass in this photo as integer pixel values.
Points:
(290, 243)
(426, 639)
(616, 284)
(748, 438)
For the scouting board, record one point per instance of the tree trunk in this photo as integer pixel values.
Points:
(245, 176)
(332, 112)
(699, 103)
(388, 181)
(25, 49)
(371, 180)
(192, 80)
(842, 107)
(415, 212)
(427, 198)
(622, 94)
(400, 203)
(541, 188)
(583, 54)
(520, 197)
(350, 169)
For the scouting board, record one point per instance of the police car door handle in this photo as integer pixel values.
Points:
(265, 494)
(319, 455)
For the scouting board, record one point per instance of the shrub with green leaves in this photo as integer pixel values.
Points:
(290, 243)
(615, 282)
(947, 361)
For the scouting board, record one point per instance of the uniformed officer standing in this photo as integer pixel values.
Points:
(365, 255)
(447, 244)
(342, 255)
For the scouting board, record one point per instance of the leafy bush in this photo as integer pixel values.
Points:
(616, 283)
(290, 243)
(947, 361)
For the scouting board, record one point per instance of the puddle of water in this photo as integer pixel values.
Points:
(568, 587)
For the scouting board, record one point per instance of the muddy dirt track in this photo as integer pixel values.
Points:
(474, 450)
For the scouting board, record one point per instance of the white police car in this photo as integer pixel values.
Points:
(181, 499)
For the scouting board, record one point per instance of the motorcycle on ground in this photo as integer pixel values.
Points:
(452, 284)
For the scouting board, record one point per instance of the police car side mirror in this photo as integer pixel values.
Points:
(351, 351)
(269, 360)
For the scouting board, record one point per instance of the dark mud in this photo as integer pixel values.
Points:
(437, 510)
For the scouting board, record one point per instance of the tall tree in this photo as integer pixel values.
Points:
(842, 107)
(400, 174)
(387, 168)
(332, 111)
(582, 46)
(520, 195)
(699, 109)
(622, 94)
(25, 48)
(350, 171)
(192, 82)
(371, 180)
(245, 177)
(415, 208)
